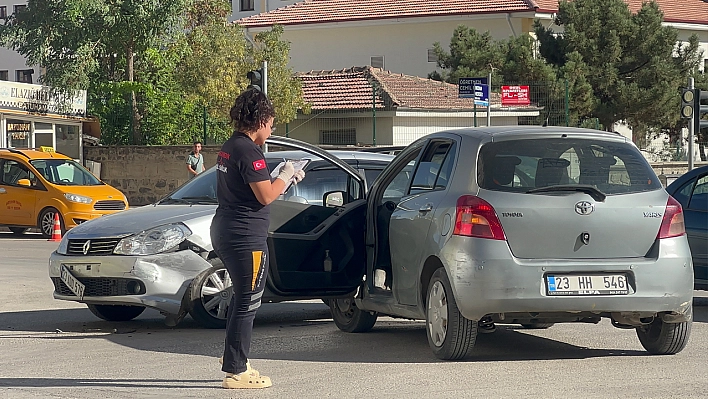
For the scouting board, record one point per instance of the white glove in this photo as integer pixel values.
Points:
(286, 172)
(298, 176)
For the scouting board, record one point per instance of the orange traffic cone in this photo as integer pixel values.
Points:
(56, 234)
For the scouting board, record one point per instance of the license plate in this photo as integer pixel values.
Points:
(74, 285)
(603, 284)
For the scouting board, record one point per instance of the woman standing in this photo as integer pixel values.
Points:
(240, 227)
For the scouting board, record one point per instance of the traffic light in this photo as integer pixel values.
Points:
(256, 79)
(688, 103)
(701, 109)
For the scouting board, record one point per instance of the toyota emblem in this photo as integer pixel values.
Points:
(87, 246)
(584, 208)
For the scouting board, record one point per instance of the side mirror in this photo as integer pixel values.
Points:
(333, 199)
(24, 183)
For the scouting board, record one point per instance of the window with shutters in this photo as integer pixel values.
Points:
(338, 137)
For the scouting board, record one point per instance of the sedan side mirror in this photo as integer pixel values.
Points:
(24, 183)
(333, 199)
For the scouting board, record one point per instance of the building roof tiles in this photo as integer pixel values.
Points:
(333, 11)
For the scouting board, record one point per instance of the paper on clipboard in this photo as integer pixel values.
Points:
(298, 164)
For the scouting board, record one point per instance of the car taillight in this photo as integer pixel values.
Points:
(672, 224)
(477, 218)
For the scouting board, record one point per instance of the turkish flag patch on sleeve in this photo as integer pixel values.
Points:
(259, 164)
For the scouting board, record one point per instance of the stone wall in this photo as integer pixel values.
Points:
(145, 173)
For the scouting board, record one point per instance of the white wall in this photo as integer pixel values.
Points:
(403, 43)
(10, 60)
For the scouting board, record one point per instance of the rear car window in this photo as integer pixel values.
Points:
(526, 164)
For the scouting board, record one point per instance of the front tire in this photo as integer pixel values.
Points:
(210, 295)
(450, 335)
(349, 318)
(116, 312)
(46, 222)
(660, 338)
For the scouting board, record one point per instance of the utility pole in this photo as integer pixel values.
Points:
(691, 130)
(489, 104)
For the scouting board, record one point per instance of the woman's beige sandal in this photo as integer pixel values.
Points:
(248, 367)
(246, 380)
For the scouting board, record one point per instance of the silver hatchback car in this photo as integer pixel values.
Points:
(518, 225)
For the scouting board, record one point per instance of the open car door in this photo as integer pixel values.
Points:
(318, 250)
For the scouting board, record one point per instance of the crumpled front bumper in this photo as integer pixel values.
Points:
(165, 278)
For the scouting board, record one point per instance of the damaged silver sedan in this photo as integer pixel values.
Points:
(160, 256)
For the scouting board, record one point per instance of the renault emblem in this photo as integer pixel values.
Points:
(584, 208)
(87, 246)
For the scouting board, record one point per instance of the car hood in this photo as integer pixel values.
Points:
(135, 220)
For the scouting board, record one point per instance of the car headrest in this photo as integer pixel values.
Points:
(503, 169)
(551, 171)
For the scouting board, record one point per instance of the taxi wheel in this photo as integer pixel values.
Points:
(116, 312)
(46, 222)
(18, 231)
(210, 294)
(451, 336)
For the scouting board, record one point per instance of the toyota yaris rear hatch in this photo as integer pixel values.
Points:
(574, 197)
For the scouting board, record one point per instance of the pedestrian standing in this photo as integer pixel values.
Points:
(195, 160)
(239, 228)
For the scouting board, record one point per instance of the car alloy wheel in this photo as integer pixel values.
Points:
(46, 222)
(216, 292)
(210, 296)
(437, 310)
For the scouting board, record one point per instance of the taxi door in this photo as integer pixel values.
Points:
(17, 202)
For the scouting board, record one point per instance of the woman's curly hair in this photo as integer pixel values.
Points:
(251, 111)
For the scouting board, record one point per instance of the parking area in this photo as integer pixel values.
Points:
(59, 349)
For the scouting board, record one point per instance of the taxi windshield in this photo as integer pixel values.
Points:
(65, 172)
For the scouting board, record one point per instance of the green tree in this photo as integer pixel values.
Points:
(75, 40)
(631, 62)
(474, 54)
(218, 58)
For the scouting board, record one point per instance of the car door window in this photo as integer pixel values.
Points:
(398, 186)
(430, 167)
(316, 183)
(13, 171)
(699, 198)
(683, 194)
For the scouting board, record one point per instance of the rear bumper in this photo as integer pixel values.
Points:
(484, 282)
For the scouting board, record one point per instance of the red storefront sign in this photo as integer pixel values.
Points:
(515, 95)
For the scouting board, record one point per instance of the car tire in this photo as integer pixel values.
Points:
(537, 326)
(116, 312)
(349, 318)
(18, 231)
(450, 335)
(210, 295)
(661, 338)
(45, 223)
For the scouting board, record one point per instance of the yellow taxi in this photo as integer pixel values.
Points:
(37, 185)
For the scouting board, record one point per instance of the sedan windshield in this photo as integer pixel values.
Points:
(65, 172)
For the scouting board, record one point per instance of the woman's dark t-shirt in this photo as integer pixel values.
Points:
(239, 163)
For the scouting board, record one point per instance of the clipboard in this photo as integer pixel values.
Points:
(298, 164)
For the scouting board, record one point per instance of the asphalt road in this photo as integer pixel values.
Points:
(55, 349)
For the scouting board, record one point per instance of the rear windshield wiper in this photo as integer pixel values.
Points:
(596, 194)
